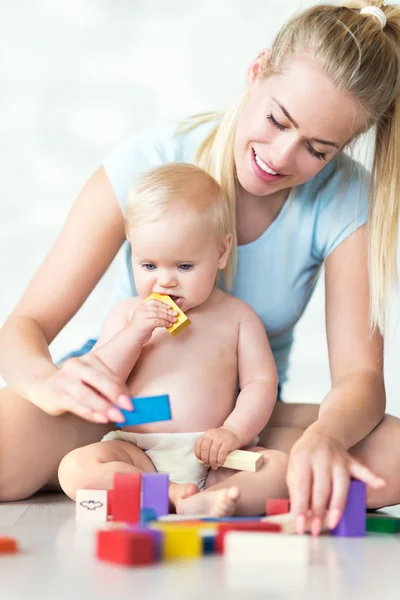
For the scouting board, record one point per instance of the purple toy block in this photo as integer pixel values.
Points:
(155, 492)
(353, 521)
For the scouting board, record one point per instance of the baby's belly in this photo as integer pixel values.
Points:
(199, 400)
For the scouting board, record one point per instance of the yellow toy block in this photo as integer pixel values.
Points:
(182, 320)
(181, 541)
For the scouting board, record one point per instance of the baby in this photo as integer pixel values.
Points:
(180, 227)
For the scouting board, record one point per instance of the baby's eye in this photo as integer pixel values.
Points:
(148, 266)
(185, 267)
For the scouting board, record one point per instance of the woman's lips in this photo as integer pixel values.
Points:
(260, 172)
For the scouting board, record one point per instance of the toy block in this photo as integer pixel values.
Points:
(147, 410)
(208, 540)
(277, 506)
(8, 545)
(156, 534)
(231, 519)
(353, 521)
(254, 547)
(225, 528)
(182, 518)
(182, 320)
(126, 497)
(182, 542)
(244, 460)
(155, 488)
(133, 548)
(109, 502)
(147, 515)
(379, 523)
(287, 523)
(91, 505)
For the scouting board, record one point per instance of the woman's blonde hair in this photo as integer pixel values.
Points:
(361, 58)
(180, 187)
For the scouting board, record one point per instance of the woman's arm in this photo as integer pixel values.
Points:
(88, 242)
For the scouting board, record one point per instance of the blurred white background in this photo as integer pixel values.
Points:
(77, 77)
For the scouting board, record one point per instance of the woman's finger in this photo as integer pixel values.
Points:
(359, 471)
(340, 489)
(321, 491)
(103, 381)
(299, 481)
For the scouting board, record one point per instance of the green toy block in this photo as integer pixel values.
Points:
(383, 524)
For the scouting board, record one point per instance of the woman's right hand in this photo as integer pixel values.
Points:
(84, 386)
(149, 316)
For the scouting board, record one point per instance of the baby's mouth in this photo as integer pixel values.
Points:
(177, 299)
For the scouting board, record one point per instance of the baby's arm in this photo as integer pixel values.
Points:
(258, 380)
(127, 328)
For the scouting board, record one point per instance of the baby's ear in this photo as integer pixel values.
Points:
(224, 249)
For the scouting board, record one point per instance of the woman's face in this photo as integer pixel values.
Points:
(292, 125)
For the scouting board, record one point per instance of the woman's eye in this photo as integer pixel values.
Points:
(185, 267)
(319, 155)
(274, 122)
(148, 266)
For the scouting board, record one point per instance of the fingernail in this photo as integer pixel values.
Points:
(99, 418)
(333, 518)
(124, 402)
(316, 526)
(300, 524)
(115, 415)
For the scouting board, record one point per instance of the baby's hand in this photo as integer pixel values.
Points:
(213, 447)
(148, 316)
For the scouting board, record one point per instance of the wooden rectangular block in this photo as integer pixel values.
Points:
(277, 506)
(182, 542)
(91, 505)
(353, 521)
(155, 487)
(257, 547)
(8, 545)
(182, 320)
(379, 523)
(243, 460)
(225, 528)
(130, 548)
(126, 497)
(148, 409)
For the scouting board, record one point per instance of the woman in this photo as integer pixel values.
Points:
(332, 74)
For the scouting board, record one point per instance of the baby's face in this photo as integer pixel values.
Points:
(178, 255)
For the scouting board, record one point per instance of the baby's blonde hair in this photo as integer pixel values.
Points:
(363, 59)
(181, 186)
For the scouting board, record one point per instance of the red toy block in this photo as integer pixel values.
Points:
(223, 529)
(8, 545)
(131, 548)
(126, 497)
(277, 506)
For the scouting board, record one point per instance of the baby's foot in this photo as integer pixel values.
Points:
(179, 491)
(215, 503)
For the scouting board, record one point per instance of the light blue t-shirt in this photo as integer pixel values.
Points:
(276, 273)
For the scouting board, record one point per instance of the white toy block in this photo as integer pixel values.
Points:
(288, 522)
(266, 548)
(91, 505)
(243, 460)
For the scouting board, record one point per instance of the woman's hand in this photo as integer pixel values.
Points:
(148, 316)
(318, 479)
(84, 386)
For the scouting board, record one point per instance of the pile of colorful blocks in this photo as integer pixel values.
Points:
(141, 531)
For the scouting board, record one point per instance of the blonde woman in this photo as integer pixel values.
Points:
(333, 73)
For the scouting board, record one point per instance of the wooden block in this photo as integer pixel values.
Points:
(353, 521)
(91, 505)
(8, 545)
(182, 542)
(277, 506)
(225, 528)
(243, 460)
(182, 320)
(148, 409)
(379, 523)
(126, 497)
(255, 547)
(130, 548)
(155, 487)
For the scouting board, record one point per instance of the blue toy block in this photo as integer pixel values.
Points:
(146, 515)
(229, 519)
(353, 521)
(155, 488)
(209, 546)
(147, 410)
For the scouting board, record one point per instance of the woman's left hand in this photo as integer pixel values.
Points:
(318, 479)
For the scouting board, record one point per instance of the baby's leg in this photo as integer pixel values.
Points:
(94, 466)
(240, 492)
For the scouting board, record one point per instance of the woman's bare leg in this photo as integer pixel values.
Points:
(32, 444)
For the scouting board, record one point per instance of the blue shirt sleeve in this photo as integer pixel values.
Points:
(342, 208)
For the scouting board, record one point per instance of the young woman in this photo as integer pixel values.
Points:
(333, 72)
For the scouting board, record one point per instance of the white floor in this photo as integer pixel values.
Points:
(57, 562)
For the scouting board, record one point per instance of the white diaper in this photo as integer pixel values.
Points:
(171, 453)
